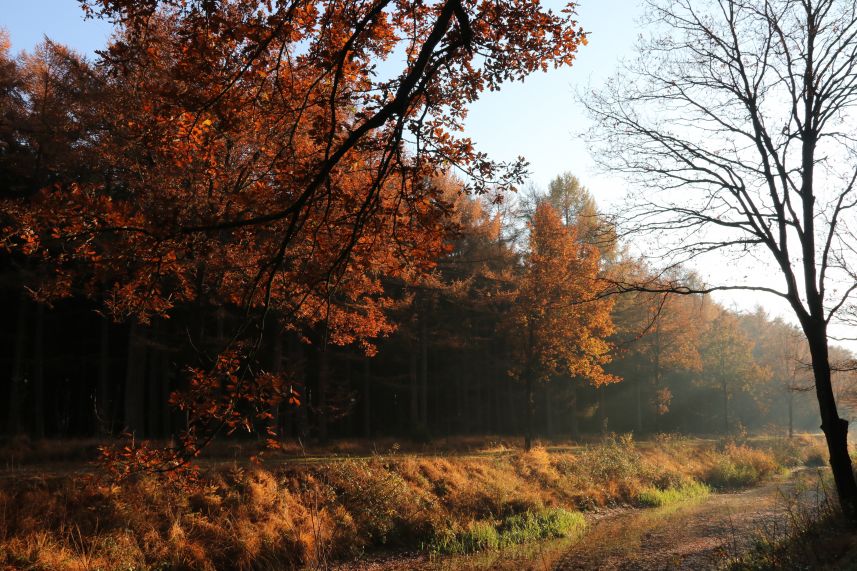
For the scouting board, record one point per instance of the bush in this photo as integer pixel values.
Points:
(616, 459)
(739, 467)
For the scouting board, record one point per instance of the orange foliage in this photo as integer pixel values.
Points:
(248, 154)
(563, 321)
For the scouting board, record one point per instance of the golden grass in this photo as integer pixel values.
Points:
(291, 516)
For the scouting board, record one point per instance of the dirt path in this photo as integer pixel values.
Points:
(693, 535)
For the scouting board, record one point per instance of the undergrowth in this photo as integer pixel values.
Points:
(812, 533)
(296, 515)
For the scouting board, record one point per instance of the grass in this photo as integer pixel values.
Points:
(476, 536)
(652, 497)
(813, 534)
(297, 514)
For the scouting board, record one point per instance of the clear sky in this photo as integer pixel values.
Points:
(538, 119)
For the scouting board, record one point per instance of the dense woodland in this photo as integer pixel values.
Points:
(433, 305)
(447, 352)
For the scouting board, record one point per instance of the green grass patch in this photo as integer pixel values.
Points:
(514, 530)
(655, 498)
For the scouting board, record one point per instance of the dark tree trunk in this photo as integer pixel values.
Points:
(602, 409)
(18, 366)
(367, 397)
(573, 414)
(549, 424)
(528, 414)
(423, 377)
(275, 366)
(323, 379)
(414, 394)
(835, 428)
(104, 406)
(135, 394)
(725, 407)
(528, 392)
(39, 373)
(154, 401)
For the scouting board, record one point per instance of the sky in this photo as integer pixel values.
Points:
(539, 119)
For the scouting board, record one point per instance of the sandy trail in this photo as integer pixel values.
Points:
(694, 535)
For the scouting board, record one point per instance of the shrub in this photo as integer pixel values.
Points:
(739, 467)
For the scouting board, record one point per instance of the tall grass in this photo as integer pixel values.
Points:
(293, 515)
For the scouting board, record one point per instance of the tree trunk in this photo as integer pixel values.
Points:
(528, 414)
(39, 373)
(154, 402)
(549, 427)
(638, 385)
(135, 395)
(414, 395)
(575, 417)
(791, 413)
(323, 378)
(18, 366)
(725, 408)
(528, 396)
(835, 428)
(104, 406)
(423, 377)
(367, 398)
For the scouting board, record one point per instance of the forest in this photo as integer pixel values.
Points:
(262, 227)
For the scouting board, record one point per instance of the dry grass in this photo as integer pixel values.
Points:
(297, 515)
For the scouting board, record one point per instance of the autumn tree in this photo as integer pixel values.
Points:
(728, 363)
(732, 122)
(251, 156)
(657, 334)
(561, 327)
(575, 204)
(781, 349)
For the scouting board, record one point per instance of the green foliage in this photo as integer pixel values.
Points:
(476, 536)
(514, 530)
(655, 497)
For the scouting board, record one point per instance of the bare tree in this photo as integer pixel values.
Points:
(737, 122)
